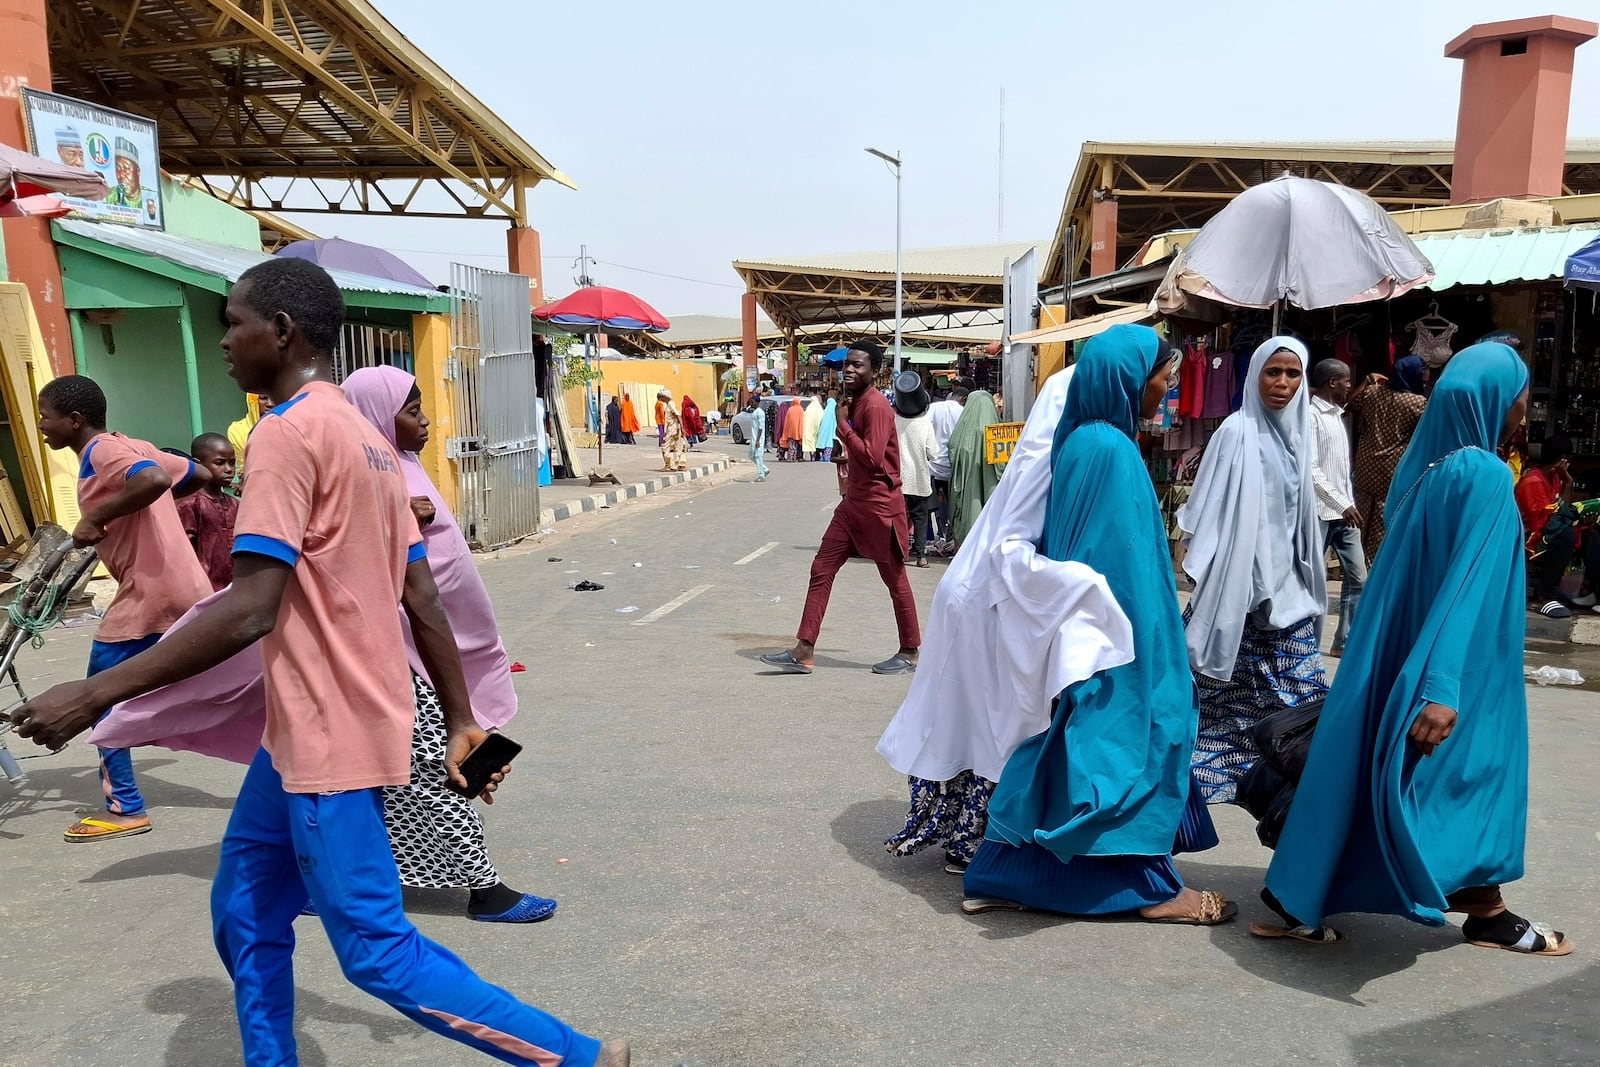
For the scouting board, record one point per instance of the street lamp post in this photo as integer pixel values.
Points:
(899, 280)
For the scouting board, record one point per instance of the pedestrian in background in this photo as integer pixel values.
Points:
(1255, 555)
(674, 446)
(944, 415)
(694, 426)
(1386, 414)
(630, 420)
(829, 430)
(972, 476)
(758, 436)
(127, 513)
(208, 515)
(1336, 495)
(869, 522)
(917, 453)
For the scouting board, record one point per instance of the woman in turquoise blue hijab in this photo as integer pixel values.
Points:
(1414, 799)
(1086, 815)
(828, 430)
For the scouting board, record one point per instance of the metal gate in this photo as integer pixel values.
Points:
(495, 387)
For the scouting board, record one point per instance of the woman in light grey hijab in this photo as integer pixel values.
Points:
(1255, 555)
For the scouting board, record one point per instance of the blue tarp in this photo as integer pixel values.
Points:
(1583, 267)
(836, 357)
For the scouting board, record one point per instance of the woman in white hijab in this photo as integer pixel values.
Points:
(1255, 555)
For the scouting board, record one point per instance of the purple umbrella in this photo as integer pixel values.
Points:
(338, 254)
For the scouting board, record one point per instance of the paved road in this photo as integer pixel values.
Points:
(726, 900)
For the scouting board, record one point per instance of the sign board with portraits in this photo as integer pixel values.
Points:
(122, 148)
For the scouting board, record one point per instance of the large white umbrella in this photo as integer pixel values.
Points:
(1313, 244)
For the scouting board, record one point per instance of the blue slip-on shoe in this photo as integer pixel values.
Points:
(530, 909)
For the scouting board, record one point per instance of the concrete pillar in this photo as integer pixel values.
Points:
(1103, 234)
(30, 255)
(430, 350)
(1516, 90)
(750, 335)
(523, 254)
(792, 373)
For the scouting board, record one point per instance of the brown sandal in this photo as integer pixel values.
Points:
(1214, 911)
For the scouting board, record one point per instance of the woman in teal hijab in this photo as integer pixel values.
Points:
(972, 477)
(829, 429)
(1414, 799)
(1086, 815)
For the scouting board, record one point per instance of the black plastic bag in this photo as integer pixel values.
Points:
(1267, 789)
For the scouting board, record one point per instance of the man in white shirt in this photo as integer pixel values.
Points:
(1330, 473)
(944, 416)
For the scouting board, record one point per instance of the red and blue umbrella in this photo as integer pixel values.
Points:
(599, 307)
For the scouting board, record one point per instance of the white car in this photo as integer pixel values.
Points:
(740, 428)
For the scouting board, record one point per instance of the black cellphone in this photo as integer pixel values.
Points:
(496, 751)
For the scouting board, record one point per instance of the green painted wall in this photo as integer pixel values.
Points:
(191, 213)
(144, 380)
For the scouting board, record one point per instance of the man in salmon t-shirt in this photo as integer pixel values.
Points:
(325, 546)
(125, 499)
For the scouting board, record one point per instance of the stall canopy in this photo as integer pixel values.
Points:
(1502, 257)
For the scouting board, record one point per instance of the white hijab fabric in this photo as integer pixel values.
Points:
(1008, 630)
(1254, 544)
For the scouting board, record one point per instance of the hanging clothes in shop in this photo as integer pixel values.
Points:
(1219, 383)
(1432, 342)
(1192, 381)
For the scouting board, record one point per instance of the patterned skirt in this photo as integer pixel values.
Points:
(953, 814)
(436, 835)
(1276, 669)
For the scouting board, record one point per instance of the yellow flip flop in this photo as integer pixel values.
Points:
(100, 830)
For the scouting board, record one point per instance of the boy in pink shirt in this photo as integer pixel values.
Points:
(125, 496)
(325, 546)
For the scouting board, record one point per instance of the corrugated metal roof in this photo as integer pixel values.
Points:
(1497, 257)
(707, 329)
(222, 261)
(962, 261)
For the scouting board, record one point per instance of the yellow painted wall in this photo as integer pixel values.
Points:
(430, 341)
(702, 381)
(1050, 357)
(50, 479)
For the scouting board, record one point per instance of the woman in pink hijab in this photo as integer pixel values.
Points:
(436, 835)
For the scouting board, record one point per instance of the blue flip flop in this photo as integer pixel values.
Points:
(530, 909)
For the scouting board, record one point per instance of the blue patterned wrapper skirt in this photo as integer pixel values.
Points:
(1276, 669)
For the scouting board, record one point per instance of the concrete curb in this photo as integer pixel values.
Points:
(617, 494)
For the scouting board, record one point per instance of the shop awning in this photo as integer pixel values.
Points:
(1078, 329)
(1502, 257)
(929, 357)
(214, 267)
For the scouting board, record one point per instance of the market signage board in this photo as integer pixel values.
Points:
(999, 440)
(120, 147)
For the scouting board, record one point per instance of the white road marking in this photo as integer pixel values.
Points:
(829, 506)
(672, 605)
(757, 554)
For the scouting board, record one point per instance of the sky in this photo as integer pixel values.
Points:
(703, 132)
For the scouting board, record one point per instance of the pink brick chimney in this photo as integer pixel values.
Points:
(1516, 87)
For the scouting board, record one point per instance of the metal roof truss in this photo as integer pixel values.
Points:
(295, 105)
